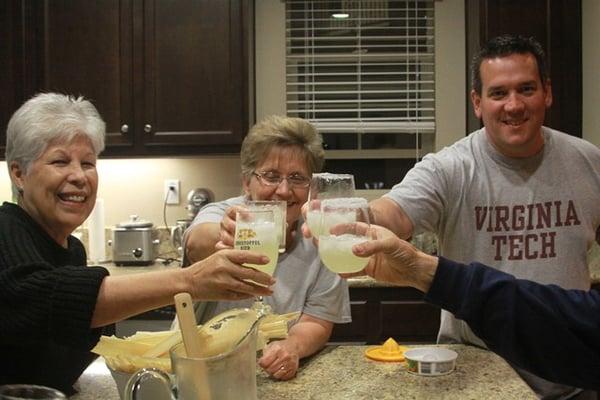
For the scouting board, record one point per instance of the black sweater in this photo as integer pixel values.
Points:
(550, 331)
(47, 299)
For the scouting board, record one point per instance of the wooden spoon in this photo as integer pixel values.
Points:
(187, 323)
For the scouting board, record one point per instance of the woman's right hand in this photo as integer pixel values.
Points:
(227, 233)
(222, 277)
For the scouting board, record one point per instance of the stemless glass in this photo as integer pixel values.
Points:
(326, 186)
(279, 208)
(339, 233)
(255, 229)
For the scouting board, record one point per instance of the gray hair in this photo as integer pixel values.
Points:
(277, 130)
(48, 117)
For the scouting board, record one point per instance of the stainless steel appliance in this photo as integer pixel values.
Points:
(132, 242)
(196, 198)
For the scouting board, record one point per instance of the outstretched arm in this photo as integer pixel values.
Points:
(550, 331)
(386, 212)
(218, 277)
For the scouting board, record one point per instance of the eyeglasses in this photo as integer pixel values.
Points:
(272, 179)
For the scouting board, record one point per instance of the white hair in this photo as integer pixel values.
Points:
(46, 118)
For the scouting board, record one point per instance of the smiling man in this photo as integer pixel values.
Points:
(515, 195)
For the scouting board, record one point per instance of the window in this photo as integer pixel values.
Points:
(363, 72)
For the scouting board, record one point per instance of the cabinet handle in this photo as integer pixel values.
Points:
(147, 128)
(124, 128)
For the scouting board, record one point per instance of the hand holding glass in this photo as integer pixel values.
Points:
(326, 186)
(339, 233)
(279, 208)
(256, 230)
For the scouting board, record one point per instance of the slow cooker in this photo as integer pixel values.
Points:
(132, 242)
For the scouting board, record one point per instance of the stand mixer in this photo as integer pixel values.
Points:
(196, 199)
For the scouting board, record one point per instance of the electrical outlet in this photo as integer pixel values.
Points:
(172, 191)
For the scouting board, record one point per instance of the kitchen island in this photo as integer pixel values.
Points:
(342, 372)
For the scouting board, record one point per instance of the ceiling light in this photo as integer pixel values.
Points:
(340, 15)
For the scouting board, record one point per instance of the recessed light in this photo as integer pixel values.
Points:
(340, 15)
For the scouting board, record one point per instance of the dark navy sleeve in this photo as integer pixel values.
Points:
(550, 331)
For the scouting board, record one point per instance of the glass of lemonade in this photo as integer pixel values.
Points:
(339, 233)
(326, 186)
(279, 208)
(255, 229)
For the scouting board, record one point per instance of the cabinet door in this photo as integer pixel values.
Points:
(195, 76)
(12, 38)
(379, 313)
(87, 50)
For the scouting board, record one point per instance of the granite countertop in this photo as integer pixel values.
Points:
(342, 372)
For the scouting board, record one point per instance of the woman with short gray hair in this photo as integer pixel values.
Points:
(50, 117)
(52, 306)
(277, 130)
(278, 157)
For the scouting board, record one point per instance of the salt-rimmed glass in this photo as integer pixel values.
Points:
(256, 230)
(339, 233)
(279, 208)
(326, 186)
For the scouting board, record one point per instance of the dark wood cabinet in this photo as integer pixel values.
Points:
(556, 24)
(11, 63)
(168, 77)
(379, 313)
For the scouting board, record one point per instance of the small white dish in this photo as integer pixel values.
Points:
(430, 361)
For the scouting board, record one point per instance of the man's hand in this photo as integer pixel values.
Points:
(395, 260)
(227, 232)
(305, 229)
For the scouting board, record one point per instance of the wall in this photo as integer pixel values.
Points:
(450, 74)
(270, 57)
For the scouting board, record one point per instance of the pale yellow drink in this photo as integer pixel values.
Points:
(313, 220)
(336, 250)
(336, 253)
(259, 236)
(279, 208)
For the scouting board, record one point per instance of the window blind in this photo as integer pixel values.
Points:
(366, 77)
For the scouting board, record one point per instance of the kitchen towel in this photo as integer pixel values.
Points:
(96, 235)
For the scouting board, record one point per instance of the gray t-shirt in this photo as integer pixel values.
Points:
(534, 218)
(303, 283)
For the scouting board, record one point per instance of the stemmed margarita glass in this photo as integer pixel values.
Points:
(256, 229)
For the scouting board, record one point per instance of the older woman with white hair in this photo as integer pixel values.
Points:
(52, 306)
